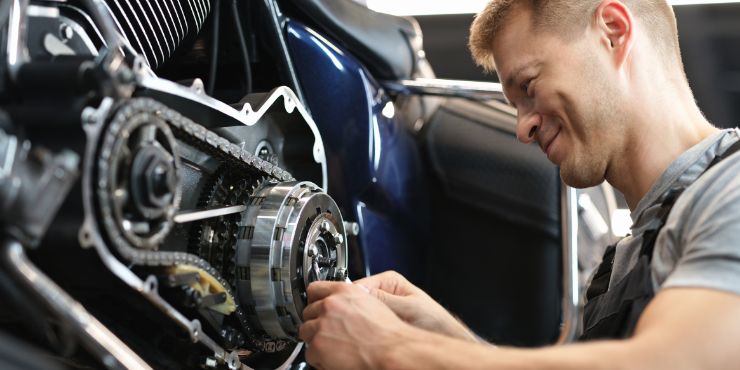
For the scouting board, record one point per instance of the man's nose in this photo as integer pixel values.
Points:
(527, 125)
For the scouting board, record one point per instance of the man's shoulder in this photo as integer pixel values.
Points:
(717, 188)
(698, 245)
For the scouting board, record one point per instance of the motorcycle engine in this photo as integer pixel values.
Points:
(190, 227)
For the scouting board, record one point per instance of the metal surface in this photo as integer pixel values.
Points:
(569, 219)
(16, 44)
(90, 235)
(190, 216)
(279, 39)
(33, 184)
(149, 25)
(95, 336)
(282, 224)
(476, 90)
(141, 172)
(131, 169)
(188, 99)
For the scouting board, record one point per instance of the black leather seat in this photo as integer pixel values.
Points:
(384, 43)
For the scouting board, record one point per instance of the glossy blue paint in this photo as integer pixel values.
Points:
(374, 166)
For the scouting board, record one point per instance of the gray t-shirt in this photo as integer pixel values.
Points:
(700, 244)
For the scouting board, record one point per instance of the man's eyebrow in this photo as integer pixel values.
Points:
(514, 75)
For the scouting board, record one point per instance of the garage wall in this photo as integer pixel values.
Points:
(710, 43)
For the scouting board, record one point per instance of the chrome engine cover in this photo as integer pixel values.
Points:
(294, 234)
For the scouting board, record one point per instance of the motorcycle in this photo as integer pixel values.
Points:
(160, 221)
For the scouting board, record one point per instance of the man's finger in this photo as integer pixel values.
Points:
(313, 310)
(312, 357)
(319, 290)
(389, 281)
(308, 330)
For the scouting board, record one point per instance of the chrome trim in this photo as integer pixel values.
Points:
(113, 353)
(81, 34)
(42, 11)
(182, 20)
(172, 19)
(81, 30)
(133, 33)
(196, 15)
(10, 144)
(168, 49)
(189, 216)
(146, 37)
(569, 231)
(203, 11)
(16, 47)
(278, 21)
(477, 90)
(164, 20)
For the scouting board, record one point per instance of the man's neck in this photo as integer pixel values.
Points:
(658, 137)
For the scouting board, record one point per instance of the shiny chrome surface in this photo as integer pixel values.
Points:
(189, 216)
(569, 230)
(96, 337)
(288, 220)
(16, 45)
(477, 90)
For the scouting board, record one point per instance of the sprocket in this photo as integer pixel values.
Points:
(214, 239)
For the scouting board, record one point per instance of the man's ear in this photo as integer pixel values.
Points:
(615, 26)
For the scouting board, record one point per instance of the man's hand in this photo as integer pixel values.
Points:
(346, 327)
(414, 306)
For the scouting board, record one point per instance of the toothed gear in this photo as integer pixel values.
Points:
(215, 238)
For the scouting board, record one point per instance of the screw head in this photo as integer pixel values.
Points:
(325, 226)
(66, 32)
(313, 250)
(338, 238)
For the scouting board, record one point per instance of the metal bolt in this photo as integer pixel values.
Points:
(313, 250)
(353, 228)
(211, 362)
(66, 32)
(324, 226)
(338, 238)
(341, 274)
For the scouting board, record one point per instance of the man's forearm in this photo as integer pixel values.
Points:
(432, 351)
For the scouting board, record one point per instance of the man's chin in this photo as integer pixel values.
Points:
(580, 178)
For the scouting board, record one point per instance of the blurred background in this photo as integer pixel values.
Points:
(709, 33)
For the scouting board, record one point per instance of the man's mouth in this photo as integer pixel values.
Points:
(547, 144)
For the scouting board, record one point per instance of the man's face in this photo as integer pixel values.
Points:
(565, 96)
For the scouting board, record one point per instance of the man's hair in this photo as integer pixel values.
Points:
(569, 18)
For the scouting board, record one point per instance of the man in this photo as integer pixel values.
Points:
(599, 85)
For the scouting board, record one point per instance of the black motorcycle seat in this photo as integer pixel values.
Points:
(381, 41)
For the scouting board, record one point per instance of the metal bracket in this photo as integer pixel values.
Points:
(569, 232)
(474, 90)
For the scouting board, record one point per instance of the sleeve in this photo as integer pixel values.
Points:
(708, 253)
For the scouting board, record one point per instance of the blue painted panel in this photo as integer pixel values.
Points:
(375, 171)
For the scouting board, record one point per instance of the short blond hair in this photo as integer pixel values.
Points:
(570, 18)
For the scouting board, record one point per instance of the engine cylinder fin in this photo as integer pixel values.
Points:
(156, 28)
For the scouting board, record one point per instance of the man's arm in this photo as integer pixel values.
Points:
(680, 329)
